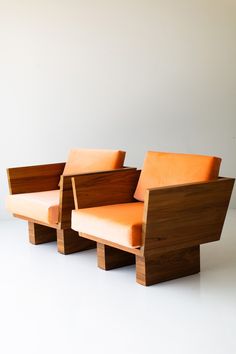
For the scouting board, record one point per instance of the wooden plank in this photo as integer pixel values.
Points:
(105, 188)
(39, 234)
(111, 258)
(53, 226)
(170, 265)
(69, 241)
(34, 178)
(135, 251)
(185, 215)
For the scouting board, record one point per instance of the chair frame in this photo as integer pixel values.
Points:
(46, 177)
(176, 221)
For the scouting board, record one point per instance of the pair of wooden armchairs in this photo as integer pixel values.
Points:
(156, 218)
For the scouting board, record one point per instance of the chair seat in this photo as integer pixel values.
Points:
(40, 206)
(119, 223)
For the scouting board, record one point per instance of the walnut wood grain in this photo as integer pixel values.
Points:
(170, 265)
(111, 258)
(177, 219)
(68, 241)
(46, 177)
(39, 234)
(185, 215)
(105, 188)
(67, 203)
(34, 178)
(53, 226)
(132, 250)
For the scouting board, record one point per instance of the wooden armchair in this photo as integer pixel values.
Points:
(162, 228)
(43, 196)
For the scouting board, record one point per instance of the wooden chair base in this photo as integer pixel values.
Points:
(69, 241)
(167, 266)
(39, 234)
(110, 257)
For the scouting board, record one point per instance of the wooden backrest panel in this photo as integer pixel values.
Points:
(34, 178)
(185, 215)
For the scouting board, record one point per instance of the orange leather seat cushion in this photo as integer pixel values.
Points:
(119, 223)
(40, 206)
(164, 169)
(91, 160)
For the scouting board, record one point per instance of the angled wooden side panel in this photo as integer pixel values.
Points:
(185, 215)
(105, 188)
(34, 178)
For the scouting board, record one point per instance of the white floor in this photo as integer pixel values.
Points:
(50, 303)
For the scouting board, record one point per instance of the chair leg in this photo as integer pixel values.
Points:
(41, 234)
(69, 241)
(171, 265)
(110, 258)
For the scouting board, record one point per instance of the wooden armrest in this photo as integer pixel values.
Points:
(185, 215)
(105, 188)
(88, 188)
(31, 179)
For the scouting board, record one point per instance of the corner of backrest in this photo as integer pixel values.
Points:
(216, 163)
(139, 193)
(212, 165)
(120, 159)
(8, 172)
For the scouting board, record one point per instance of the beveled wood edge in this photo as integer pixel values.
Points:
(135, 251)
(71, 177)
(100, 172)
(219, 179)
(9, 181)
(53, 226)
(36, 166)
(74, 193)
(18, 168)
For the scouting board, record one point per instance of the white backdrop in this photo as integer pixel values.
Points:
(129, 74)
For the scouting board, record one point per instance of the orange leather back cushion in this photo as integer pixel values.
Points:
(164, 169)
(91, 160)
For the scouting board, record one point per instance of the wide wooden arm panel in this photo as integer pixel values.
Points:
(31, 179)
(185, 215)
(105, 188)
